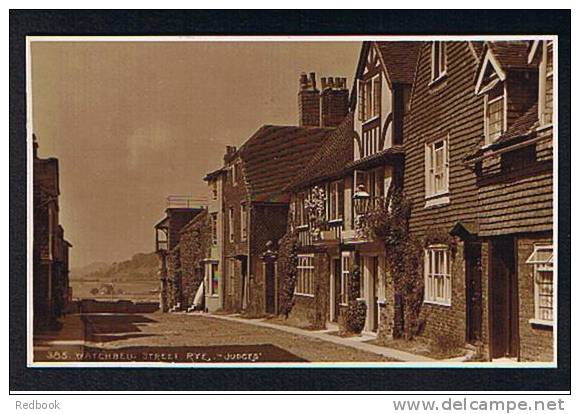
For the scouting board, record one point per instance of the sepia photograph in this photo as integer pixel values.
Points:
(357, 202)
(302, 201)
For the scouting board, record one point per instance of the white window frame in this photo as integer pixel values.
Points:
(438, 60)
(543, 77)
(486, 103)
(430, 173)
(335, 210)
(433, 279)
(231, 224)
(370, 103)
(243, 221)
(539, 266)
(305, 278)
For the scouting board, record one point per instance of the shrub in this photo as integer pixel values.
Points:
(288, 270)
(356, 316)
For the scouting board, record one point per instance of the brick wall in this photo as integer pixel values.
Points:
(309, 107)
(536, 341)
(449, 321)
(333, 106)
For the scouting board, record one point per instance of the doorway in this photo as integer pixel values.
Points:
(503, 300)
(473, 291)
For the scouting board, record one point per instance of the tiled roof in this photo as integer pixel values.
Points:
(522, 128)
(375, 158)
(211, 175)
(400, 59)
(512, 54)
(275, 155)
(331, 158)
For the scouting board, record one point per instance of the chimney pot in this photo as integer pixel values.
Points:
(313, 80)
(324, 83)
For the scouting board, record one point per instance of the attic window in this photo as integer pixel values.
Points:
(494, 113)
(438, 60)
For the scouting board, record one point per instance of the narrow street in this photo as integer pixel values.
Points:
(182, 337)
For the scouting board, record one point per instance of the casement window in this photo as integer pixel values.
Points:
(214, 232)
(494, 113)
(542, 259)
(243, 221)
(437, 275)
(212, 278)
(369, 98)
(345, 272)
(336, 200)
(305, 279)
(438, 60)
(231, 224)
(546, 101)
(436, 168)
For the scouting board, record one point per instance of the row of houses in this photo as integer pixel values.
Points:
(462, 130)
(50, 260)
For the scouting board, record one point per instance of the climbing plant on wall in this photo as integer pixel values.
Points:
(288, 269)
(389, 222)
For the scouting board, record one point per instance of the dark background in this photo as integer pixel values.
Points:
(306, 22)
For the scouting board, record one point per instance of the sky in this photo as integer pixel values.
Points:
(134, 122)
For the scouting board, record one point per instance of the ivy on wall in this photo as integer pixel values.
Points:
(287, 269)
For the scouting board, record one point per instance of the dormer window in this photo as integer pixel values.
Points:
(369, 98)
(494, 113)
(546, 93)
(438, 60)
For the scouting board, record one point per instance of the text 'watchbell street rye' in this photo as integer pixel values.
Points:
(267, 202)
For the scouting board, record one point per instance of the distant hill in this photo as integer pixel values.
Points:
(142, 266)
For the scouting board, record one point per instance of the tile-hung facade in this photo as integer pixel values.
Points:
(513, 165)
(51, 289)
(256, 209)
(478, 166)
(364, 155)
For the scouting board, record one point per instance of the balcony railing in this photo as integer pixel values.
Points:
(330, 231)
(183, 201)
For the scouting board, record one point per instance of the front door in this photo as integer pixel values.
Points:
(374, 293)
(473, 293)
(504, 304)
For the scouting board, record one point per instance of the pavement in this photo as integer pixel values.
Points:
(356, 342)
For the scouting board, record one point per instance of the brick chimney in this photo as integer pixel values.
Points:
(230, 151)
(333, 101)
(308, 101)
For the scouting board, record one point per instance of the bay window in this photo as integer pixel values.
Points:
(542, 260)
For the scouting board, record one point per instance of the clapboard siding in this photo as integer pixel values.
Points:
(450, 107)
